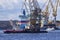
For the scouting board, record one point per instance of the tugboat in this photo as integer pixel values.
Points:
(33, 24)
(23, 27)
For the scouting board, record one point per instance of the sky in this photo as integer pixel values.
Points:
(11, 9)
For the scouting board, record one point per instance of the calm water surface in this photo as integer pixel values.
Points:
(54, 35)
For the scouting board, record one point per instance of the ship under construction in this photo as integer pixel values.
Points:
(35, 18)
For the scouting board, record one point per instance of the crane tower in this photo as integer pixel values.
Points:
(35, 14)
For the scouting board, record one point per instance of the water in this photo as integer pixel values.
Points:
(31, 36)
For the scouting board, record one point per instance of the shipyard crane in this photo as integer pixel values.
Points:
(46, 13)
(24, 9)
(34, 12)
(54, 8)
(35, 15)
(58, 2)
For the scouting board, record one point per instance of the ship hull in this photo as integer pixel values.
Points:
(18, 31)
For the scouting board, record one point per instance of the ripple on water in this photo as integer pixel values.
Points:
(31, 36)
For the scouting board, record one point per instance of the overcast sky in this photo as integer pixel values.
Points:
(11, 9)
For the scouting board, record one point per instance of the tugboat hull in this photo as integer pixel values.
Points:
(18, 31)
